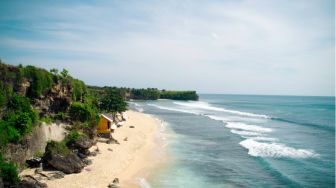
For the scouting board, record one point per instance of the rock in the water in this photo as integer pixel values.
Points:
(68, 164)
(34, 162)
(31, 182)
(114, 184)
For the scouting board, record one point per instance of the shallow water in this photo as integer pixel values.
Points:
(247, 141)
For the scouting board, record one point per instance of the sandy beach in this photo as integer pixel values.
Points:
(129, 161)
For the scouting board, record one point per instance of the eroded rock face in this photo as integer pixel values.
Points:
(56, 100)
(68, 164)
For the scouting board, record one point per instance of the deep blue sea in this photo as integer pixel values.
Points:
(246, 141)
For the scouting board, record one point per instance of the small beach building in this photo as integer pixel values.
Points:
(105, 124)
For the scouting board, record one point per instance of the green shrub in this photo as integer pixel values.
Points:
(54, 148)
(72, 136)
(19, 103)
(40, 81)
(8, 172)
(24, 123)
(60, 116)
(8, 133)
(80, 112)
(46, 119)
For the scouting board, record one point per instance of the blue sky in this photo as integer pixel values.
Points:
(227, 46)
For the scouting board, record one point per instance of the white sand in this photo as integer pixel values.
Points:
(132, 158)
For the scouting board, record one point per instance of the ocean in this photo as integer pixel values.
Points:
(245, 141)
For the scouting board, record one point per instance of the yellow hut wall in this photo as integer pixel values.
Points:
(102, 125)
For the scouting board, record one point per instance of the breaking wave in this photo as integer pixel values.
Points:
(277, 150)
(245, 133)
(174, 109)
(206, 106)
(245, 127)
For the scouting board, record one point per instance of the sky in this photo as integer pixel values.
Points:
(271, 47)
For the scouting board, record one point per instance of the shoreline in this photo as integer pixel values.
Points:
(131, 161)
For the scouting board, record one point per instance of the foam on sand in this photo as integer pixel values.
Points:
(143, 183)
(259, 149)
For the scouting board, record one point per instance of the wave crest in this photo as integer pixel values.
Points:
(206, 106)
(242, 126)
(258, 149)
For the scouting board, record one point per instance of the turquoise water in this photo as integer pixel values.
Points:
(247, 141)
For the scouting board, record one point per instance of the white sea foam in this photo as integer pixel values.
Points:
(261, 138)
(204, 105)
(174, 109)
(245, 133)
(143, 183)
(275, 150)
(245, 127)
(139, 109)
(218, 118)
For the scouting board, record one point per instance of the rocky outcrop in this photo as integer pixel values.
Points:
(58, 99)
(68, 164)
(31, 182)
(34, 143)
(81, 146)
(83, 143)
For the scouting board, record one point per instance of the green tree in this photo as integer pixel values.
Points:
(113, 102)
(65, 73)
(54, 71)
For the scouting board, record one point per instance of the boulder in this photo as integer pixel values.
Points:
(31, 182)
(83, 143)
(68, 164)
(34, 162)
